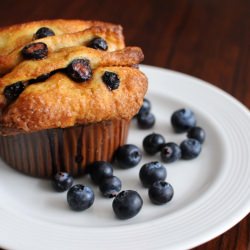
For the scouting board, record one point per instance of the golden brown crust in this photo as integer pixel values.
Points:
(30, 69)
(111, 34)
(60, 102)
(20, 34)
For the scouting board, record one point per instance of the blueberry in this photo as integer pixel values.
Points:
(62, 181)
(110, 186)
(98, 43)
(190, 148)
(146, 106)
(80, 197)
(127, 204)
(151, 172)
(145, 120)
(197, 133)
(111, 79)
(160, 192)
(41, 78)
(128, 156)
(43, 32)
(35, 51)
(152, 143)
(182, 120)
(11, 92)
(79, 70)
(99, 170)
(170, 152)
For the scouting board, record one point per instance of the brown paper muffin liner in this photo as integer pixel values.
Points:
(43, 153)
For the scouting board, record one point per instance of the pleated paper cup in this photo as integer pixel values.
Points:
(43, 153)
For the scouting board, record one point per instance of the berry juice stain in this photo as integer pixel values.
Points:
(51, 138)
(61, 150)
(79, 157)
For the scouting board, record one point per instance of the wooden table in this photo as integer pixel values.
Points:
(208, 39)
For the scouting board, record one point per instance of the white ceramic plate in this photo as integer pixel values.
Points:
(212, 192)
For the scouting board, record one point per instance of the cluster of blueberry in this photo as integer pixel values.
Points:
(126, 204)
(80, 197)
(152, 176)
(182, 120)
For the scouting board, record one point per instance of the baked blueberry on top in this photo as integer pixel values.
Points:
(79, 70)
(98, 43)
(43, 32)
(111, 79)
(35, 51)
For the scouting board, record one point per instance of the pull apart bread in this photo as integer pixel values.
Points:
(68, 91)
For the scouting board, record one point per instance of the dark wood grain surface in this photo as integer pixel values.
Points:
(209, 39)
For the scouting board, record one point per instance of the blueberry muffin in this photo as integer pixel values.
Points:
(68, 90)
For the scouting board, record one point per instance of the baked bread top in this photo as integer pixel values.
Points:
(64, 80)
(14, 36)
(111, 34)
